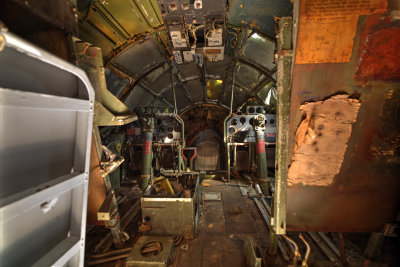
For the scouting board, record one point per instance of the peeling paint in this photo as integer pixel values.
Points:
(321, 140)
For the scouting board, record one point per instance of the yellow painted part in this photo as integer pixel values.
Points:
(164, 185)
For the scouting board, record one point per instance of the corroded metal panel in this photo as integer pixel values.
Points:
(97, 189)
(109, 24)
(379, 58)
(258, 14)
(365, 193)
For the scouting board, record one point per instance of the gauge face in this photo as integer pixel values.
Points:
(240, 128)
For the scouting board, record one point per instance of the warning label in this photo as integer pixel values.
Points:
(327, 28)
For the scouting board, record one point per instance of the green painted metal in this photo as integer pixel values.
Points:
(258, 14)
(147, 154)
(282, 160)
(251, 258)
(112, 23)
(115, 145)
(109, 110)
(173, 215)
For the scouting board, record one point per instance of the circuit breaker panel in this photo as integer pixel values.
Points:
(196, 29)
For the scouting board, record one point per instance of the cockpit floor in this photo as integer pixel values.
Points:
(223, 227)
(227, 219)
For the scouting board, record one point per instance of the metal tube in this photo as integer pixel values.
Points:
(231, 104)
(147, 155)
(228, 161)
(262, 172)
(297, 254)
(232, 88)
(173, 90)
(182, 130)
(110, 253)
(304, 262)
(342, 252)
(228, 167)
(324, 248)
(95, 262)
(115, 231)
(176, 111)
(274, 239)
(106, 242)
(180, 159)
(234, 157)
(329, 243)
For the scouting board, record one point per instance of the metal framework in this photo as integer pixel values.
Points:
(46, 107)
(284, 71)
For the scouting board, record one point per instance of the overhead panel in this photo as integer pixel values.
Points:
(138, 58)
(155, 74)
(247, 77)
(261, 50)
(181, 100)
(189, 71)
(115, 83)
(218, 69)
(139, 97)
(161, 83)
(196, 29)
(107, 23)
(196, 90)
(239, 97)
(117, 21)
(259, 14)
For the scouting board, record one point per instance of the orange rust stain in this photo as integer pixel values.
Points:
(253, 24)
(327, 28)
(380, 55)
(97, 190)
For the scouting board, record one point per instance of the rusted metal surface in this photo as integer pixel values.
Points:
(380, 54)
(254, 14)
(366, 192)
(97, 189)
(285, 65)
(200, 117)
(116, 22)
(58, 14)
(223, 227)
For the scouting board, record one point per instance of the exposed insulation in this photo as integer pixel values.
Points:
(321, 140)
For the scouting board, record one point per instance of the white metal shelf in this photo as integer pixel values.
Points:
(46, 117)
(21, 99)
